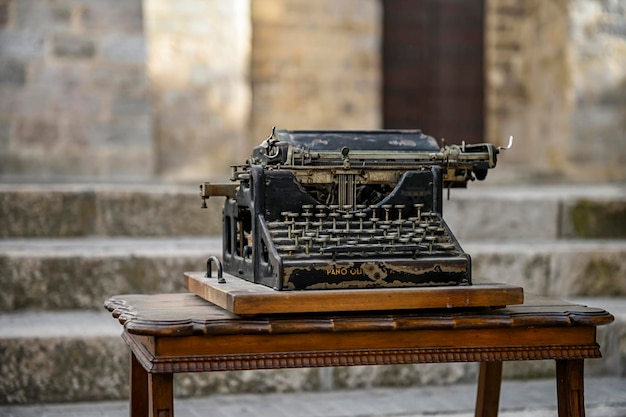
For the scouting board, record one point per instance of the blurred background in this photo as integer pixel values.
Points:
(112, 112)
(178, 91)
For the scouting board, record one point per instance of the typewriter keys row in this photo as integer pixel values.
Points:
(325, 230)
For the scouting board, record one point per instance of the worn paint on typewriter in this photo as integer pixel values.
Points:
(347, 209)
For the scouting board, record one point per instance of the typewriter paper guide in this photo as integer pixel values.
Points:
(341, 210)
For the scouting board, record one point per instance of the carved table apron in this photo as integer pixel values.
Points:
(169, 333)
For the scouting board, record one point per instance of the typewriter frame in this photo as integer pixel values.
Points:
(261, 261)
(411, 167)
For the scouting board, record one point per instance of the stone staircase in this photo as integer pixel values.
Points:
(64, 249)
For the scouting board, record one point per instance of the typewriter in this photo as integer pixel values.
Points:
(312, 210)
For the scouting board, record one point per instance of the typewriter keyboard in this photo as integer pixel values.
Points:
(333, 231)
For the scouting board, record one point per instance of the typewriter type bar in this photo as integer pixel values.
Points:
(347, 209)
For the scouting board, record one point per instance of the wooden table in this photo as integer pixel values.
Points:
(169, 333)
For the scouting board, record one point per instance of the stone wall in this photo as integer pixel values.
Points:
(199, 71)
(224, 72)
(556, 81)
(315, 65)
(97, 89)
(73, 90)
(529, 83)
(598, 44)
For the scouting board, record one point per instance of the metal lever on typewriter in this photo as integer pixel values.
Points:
(508, 146)
(218, 264)
(469, 162)
(208, 189)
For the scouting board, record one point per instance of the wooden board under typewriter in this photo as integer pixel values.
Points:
(246, 298)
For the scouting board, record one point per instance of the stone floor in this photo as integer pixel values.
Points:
(604, 397)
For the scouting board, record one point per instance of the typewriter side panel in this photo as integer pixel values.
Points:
(249, 251)
(276, 196)
(237, 246)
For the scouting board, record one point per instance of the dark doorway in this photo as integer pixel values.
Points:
(433, 67)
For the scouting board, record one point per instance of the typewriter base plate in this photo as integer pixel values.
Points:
(245, 298)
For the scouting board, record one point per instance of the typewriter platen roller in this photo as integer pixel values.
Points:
(347, 209)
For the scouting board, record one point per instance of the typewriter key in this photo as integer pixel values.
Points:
(320, 222)
(419, 208)
(430, 240)
(321, 240)
(446, 246)
(398, 223)
(360, 215)
(333, 215)
(348, 216)
(307, 219)
(290, 249)
(386, 207)
(400, 207)
(307, 242)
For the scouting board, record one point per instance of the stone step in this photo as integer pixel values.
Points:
(557, 268)
(580, 212)
(478, 212)
(49, 274)
(53, 210)
(65, 356)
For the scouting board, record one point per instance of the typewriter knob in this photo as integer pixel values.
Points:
(480, 174)
(346, 161)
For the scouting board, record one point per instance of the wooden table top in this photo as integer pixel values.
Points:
(185, 314)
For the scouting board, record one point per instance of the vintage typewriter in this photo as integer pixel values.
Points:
(347, 209)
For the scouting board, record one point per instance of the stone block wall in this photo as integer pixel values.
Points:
(224, 72)
(73, 90)
(315, 65)
(556, 81)
(198, 64)
(598, 120)
(529, 82)
(177, 91)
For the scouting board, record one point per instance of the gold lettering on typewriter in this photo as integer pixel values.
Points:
(335, 270)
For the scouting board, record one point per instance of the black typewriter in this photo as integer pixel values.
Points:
(347, 209)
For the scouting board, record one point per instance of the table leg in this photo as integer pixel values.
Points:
(150, 394)
(488, 396)
(138, 388)
(570, 387)
(161, 394)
